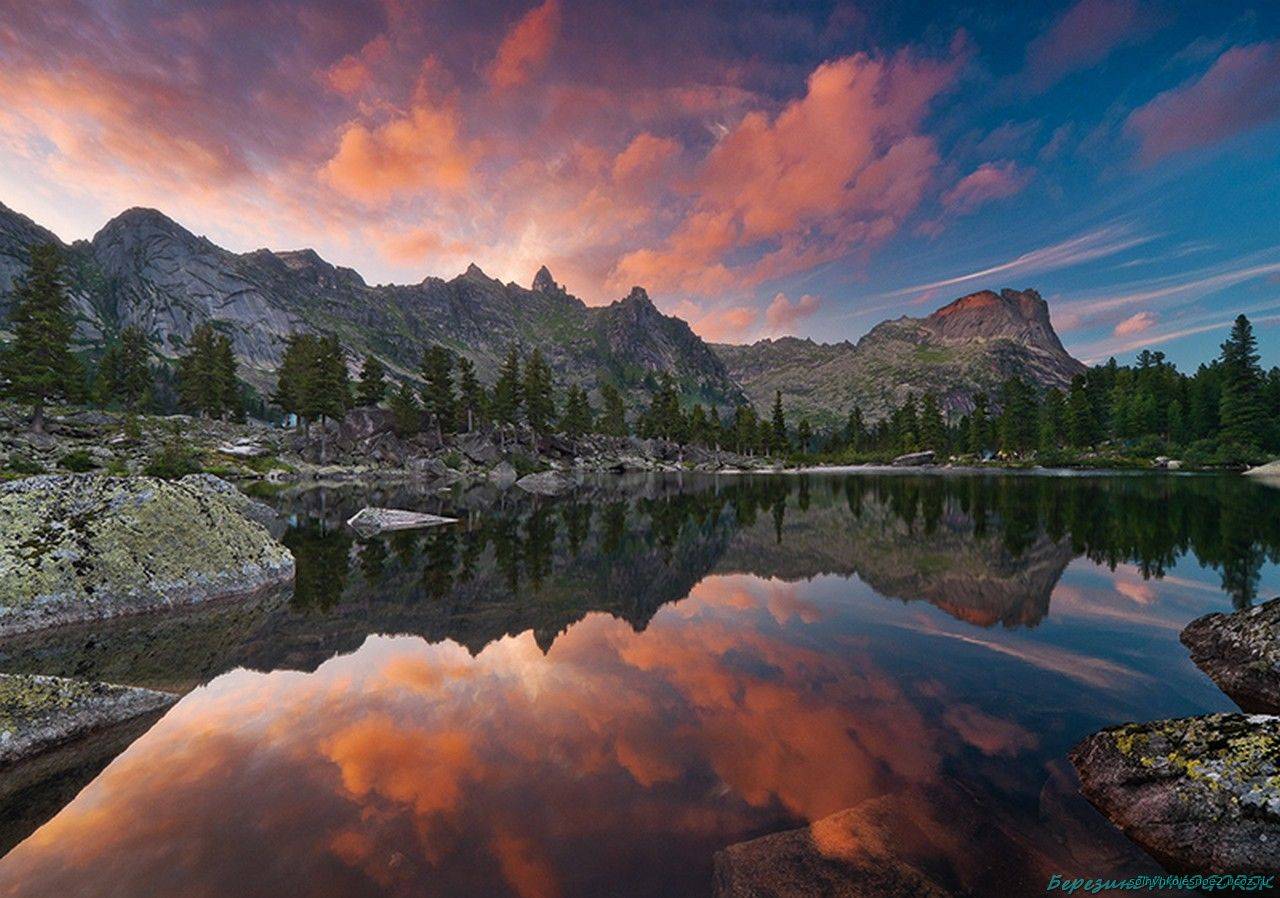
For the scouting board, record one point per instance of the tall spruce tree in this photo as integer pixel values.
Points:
(778, 423)
(124, 375)
(371, 389)
(577, 418)
(613, 414)
(406, 414)
(1241, 408)
(38, 367)
(979, 426)
(537, 391)
(933, 430)
(437, 392)
(202, 374)
(507, 397)
(471, 395)
(328, 384)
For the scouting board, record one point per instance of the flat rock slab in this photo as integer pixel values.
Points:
(1200, 794)
(841, 856)
(86, 547)
(39, 713)
(546, 483)
(1241, 653)
(372, 521)
(914, 459)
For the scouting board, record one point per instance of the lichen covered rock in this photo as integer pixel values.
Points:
(1241, 653)
(40, 713)
(87, 547)
(1200, 794)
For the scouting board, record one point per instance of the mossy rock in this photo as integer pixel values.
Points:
(87, 547)
(1241, 653)
(1200, 794)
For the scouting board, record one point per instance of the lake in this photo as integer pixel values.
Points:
(592, 695)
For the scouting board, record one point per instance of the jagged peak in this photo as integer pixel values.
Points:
(543, 282)
(475, 271)
(639, 296)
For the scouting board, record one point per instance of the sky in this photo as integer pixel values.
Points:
(761, 168)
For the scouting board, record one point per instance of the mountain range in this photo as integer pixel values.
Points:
(144, 269)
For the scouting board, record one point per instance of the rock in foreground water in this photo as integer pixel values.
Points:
(1200, 794)
(1241, 653)
(40, 713)
(372, 521)
(87, 547)
(545, 483)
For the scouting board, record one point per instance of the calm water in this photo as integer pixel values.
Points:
(592, 695)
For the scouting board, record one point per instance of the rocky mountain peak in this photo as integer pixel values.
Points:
(639, 297)
(1018, 315)
(543, 282)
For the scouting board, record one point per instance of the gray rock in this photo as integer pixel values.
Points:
(1241, 653)
(546, 483)
(372, 521)
(914, 459)
(478, 449)
(1200, 794)
(87, 547)
(40, 713)
(432, 469)
(244, 448)
(503, 474)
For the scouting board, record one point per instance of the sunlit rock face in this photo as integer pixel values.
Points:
(968, 346)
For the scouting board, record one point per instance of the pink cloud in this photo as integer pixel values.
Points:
(1239, 92)
(989, 181)
(526, 47)
(782, 313)
(1080, 38)
(1135, 324)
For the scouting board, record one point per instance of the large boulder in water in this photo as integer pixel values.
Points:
(545, 483)
(1200, 794)
(86, 547)
(1241, 653)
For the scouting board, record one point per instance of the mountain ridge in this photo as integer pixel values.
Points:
(144, 269)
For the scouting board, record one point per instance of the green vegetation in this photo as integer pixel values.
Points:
(176, 459)
(77, 461)
(207, 383)
(371, 389)
(123, 374)
(38, 366)
(313, 383)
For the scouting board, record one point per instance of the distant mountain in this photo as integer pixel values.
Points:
(144, 269)
(968, 346)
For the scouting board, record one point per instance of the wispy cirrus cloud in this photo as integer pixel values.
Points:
(1083, 36)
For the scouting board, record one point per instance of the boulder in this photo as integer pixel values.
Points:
(372, 521)
(364, 422)
(503, 474)
(244, 448)
(1200, 794)
(1270, 470)
(845, 855)
(478, 449)
(252, 509)
(545, 483)
(40, 713)
(432, 469)
(914, 459)
(85, 547)
(1241, 653)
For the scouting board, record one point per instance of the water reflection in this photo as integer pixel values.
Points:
(591, 695)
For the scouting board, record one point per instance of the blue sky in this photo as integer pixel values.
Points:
(762, 168)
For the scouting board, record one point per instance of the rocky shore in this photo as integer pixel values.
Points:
(83, 547)
(1202, 794)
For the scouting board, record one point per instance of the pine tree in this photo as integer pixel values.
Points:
(1241, 410)
(1082, 427)
(471, 395)
(406, 414)
(201, 373)
(38, 366)
(778, 423)
(294, 374)
(507, 398)
(855, 430)
(437, 393)
(123, 373)
(979, 426)
(1052, 421)
(230, 403)
(1017, 416)
(577, 418)
(328, 392)
(371, 389)
(804, 435)
(933, 430)
(699, 426)
(613, 415)
(536, 389)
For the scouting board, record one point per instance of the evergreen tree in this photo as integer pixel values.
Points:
(328, 384)
(507, 397)
(855, 430)
(664, 419)
(778, 423)
(371, 389)
(406, 414)
(1052, 421)
(123, 373)
(745, 428)
(578, 416)
(537, 391)
(1017, 416)
(38, 367)
(905, 425)
(293, 377)
(1082, 418)
(933, 430)
(613, 415)
(230, 403)
(804, 435)
(437, 394)
(1241, 409)
(201, 373)
(471, 395)
(979, 426)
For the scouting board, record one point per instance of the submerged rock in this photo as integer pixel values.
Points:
(845, 855)
(1200, 794)
(545, 483)
(914, 459)
(372, 521)
(1241, 653)
(87, 547)
(40, 713)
